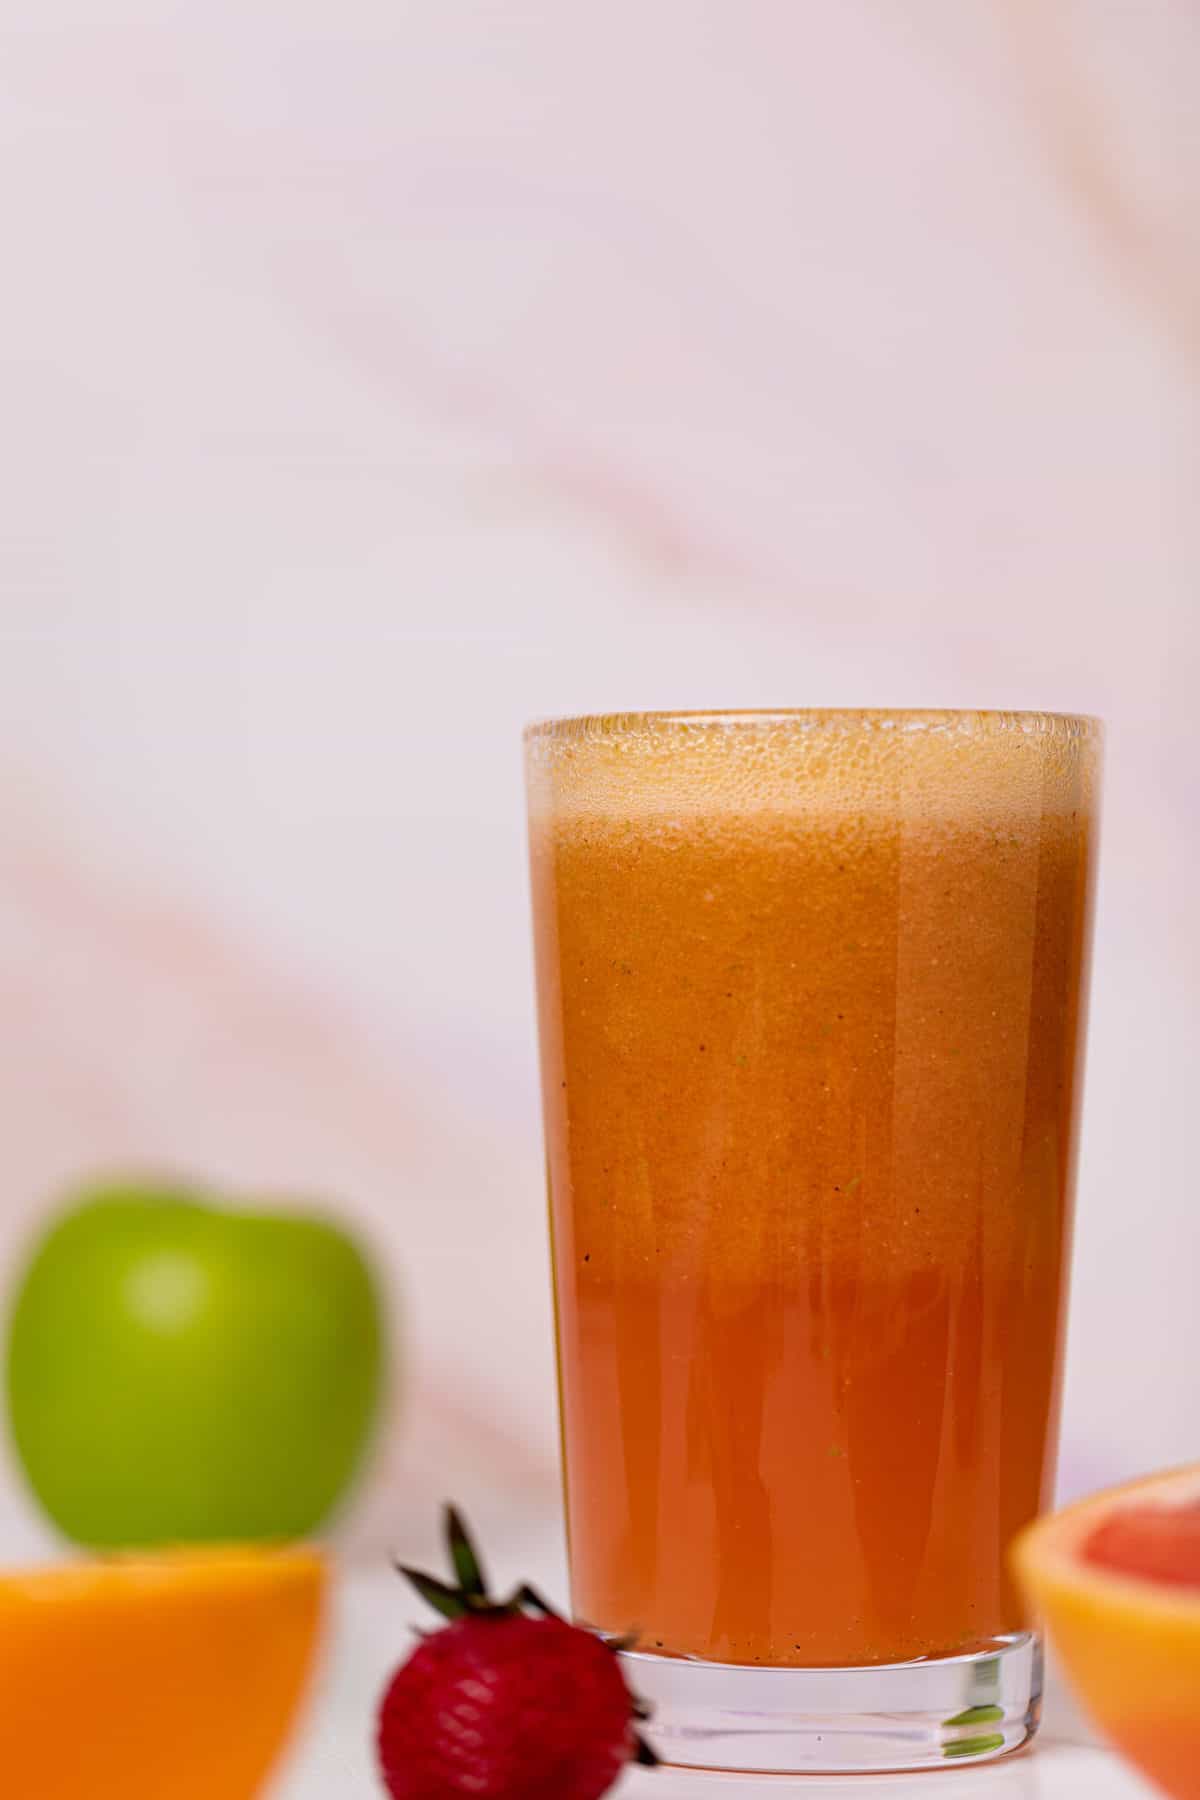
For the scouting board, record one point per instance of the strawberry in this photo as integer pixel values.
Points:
(506, 1702)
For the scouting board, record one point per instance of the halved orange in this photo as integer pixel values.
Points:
(148, 1677)
(1123, 1610)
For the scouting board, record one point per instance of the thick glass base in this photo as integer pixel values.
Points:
(915, 1715)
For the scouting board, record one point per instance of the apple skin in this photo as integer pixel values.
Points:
(181, 1372)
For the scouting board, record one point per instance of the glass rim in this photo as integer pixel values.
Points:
(879, 718)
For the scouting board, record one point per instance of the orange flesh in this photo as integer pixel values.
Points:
(809, 1083)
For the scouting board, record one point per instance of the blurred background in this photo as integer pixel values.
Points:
(374, 378)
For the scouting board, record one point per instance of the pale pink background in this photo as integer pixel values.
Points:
(376, 376)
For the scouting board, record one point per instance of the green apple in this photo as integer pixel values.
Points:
(179, 1372)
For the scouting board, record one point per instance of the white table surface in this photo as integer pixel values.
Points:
(372, 1616)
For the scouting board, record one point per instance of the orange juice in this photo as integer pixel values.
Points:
(810, 994)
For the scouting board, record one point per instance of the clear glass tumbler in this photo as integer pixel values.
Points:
(811, 989)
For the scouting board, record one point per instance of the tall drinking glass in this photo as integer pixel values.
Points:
(811, 991)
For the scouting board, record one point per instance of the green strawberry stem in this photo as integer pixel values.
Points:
(450, 1602)
(464, 1556)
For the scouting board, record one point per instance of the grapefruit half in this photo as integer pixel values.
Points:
(1117, 1580)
